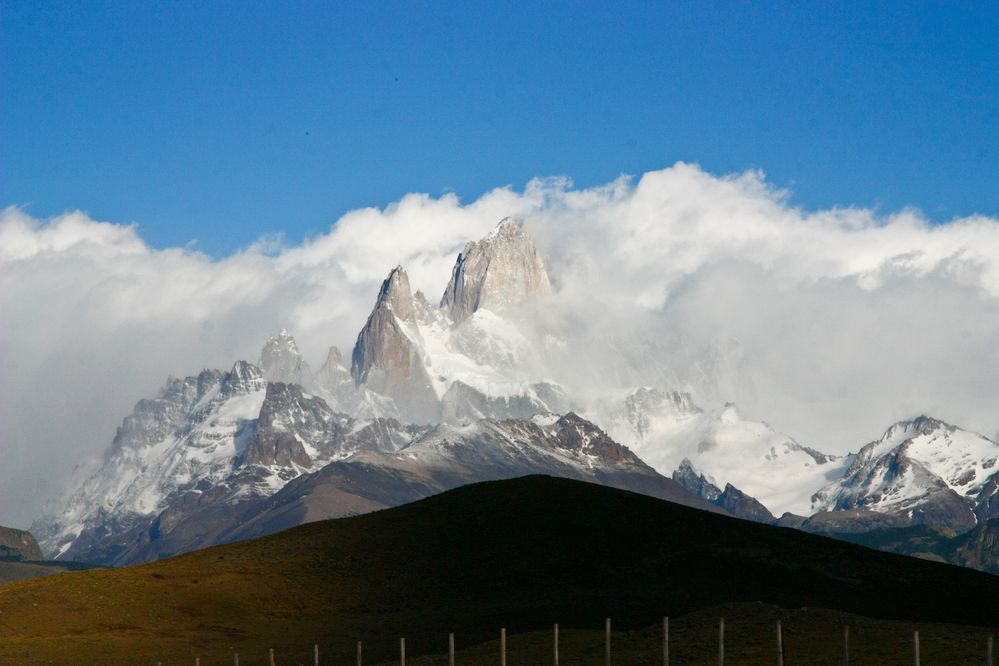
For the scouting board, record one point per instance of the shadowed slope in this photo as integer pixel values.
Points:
(520, 553)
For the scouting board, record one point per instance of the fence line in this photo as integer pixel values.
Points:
(607, 647)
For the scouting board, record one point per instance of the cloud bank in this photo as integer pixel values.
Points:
(829, 325)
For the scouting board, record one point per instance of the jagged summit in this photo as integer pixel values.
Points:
(281, 361)
(501, 270)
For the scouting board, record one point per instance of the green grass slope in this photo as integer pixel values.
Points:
(521, 554)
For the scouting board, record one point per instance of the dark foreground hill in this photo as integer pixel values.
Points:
(521, 554)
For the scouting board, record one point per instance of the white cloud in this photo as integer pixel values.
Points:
(829, 325)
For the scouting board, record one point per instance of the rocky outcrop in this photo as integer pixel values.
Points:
(293, 428)
(741, 505)
(18, 545)
(388, 355)
(499, 271)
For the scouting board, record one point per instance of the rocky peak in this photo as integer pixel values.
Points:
(334, 369)
(499, 271)
(388, 355)
(741, 505)
(397, 295)
(576, 435)
(281, 360)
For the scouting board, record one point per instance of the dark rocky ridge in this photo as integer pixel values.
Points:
(732, 500)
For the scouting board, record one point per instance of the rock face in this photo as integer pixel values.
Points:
(18, 545)
(281, 361)
(388, 355)
(495, 273)
(920, 472)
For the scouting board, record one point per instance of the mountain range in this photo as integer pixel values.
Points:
(438, 395)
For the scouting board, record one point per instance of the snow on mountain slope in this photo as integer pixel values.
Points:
(189, 435)
(664, 429)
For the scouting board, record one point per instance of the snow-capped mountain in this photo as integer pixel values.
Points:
(666, 428)
(922, 471)
(440, 395)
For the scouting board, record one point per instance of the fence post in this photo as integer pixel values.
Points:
(358, 653)
(915, 647)
(780, 646)
(721, 642)
(988, 651)
(402, 652)
(846, 645)
(503, 646)
(272, 657)
(450, 650)
(555, 644)
(607, 641)
(235, 659)
(197, 661)
(315, 655)
(665, 641)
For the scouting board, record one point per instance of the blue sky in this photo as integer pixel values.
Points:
(220, 122)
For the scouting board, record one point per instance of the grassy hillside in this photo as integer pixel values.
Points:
(520, 554)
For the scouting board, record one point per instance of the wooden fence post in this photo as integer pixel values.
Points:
(665, 641)
(846, 645)
(988, 651)
(503, 646)
(358, 653)
(607, 641)
(272, 657)
(555, 644)
(780, 646)
(197, 661)
(402, 652)
(315, 655)
(915, 647)
(721, 642)
(235, 659)
(450, 650)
